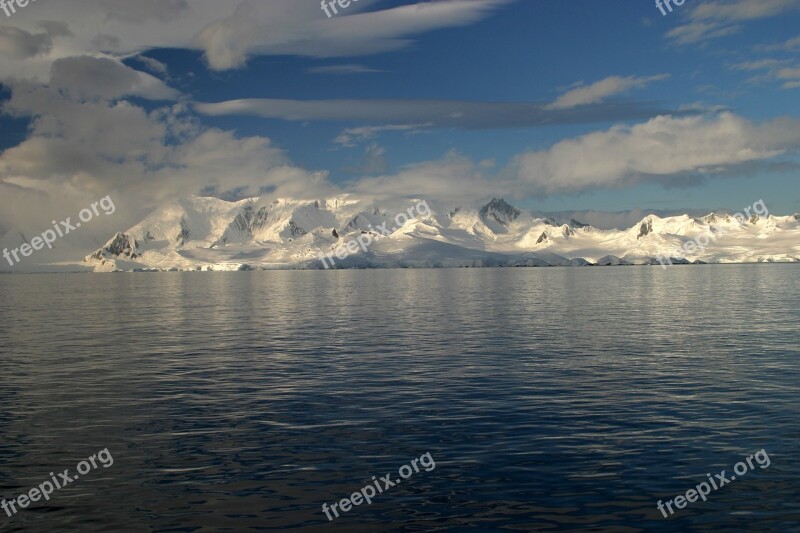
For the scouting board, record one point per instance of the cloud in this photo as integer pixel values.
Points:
(789, 73)
(81, 149)
(56, 28)
(106, 42)
(775, 70)
(20, 44)
(63, 65)
(788, 45)
(153, 65)
(228, 42)
(87, 77)
(711, 20)
(227, 33)
(454, 178)
(715, 19)
(792, 44)
(288, 27)
(761, 64)
(664, 149)
(742, 10)
(599, 91)
(351, 136)
(343, 69)
(142, 11)
(373, 161)
(437, 113)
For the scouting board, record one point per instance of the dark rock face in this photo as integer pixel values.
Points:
(259, 219)
(295, 230)
(240, 222)
(501, 211)
(121, 245)
(646, 229)
(542, 238)
(250, 220)
(183, 235)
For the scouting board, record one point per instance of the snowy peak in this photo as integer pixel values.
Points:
(499, 211)
(578, 225)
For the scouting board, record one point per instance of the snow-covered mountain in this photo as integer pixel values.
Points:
(210, 234)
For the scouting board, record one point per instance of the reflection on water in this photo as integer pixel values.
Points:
(552, 399)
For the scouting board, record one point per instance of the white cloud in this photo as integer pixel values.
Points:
(711, 20)
(662, 149)
(601, 90)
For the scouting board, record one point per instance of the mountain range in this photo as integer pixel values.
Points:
(202, 233)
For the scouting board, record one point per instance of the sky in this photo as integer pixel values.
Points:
(569, 105)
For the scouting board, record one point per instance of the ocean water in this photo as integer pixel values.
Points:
(550, 399)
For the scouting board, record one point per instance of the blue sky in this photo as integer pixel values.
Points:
(556, 105)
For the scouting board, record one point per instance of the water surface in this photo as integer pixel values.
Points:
(551, 399)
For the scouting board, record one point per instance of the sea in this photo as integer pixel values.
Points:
(549, 399)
